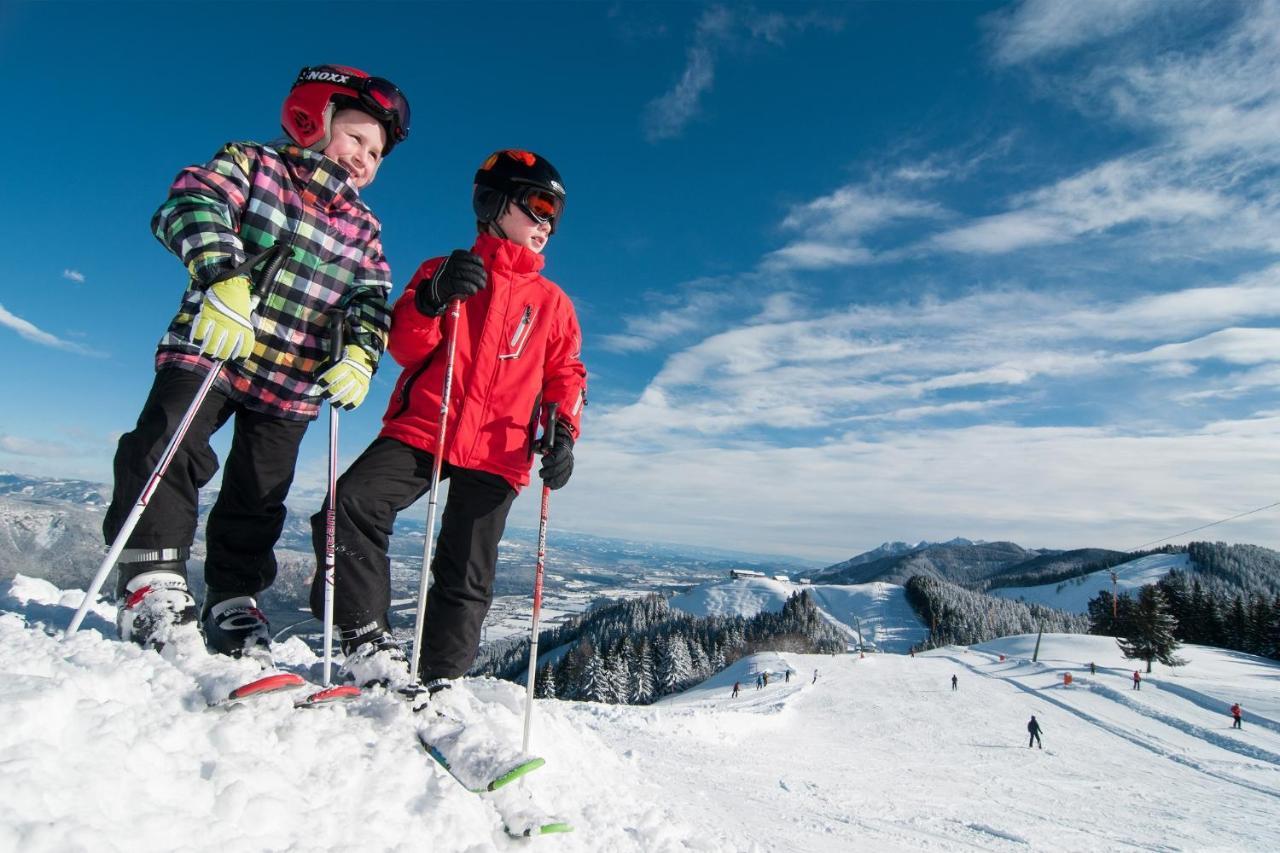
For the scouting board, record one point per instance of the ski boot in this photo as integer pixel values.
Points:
(233, 625)
(374, 658)
(155, 605)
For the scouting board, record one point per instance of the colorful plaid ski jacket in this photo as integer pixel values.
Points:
(518, 345)
(242, 202)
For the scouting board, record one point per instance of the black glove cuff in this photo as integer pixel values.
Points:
(423, 301)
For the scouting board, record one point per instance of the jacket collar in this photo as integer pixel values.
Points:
(323, 181)
(502, 255)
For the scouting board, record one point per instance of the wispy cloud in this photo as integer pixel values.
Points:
(19, 446)
(718, 28)
(832, 228)
(31, 333)
(1120, 192)
(1039, 486)
(1037, 29)
(73, 275)
(932, 357)
(1237, 346)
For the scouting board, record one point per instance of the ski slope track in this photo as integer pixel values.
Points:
(106, 747)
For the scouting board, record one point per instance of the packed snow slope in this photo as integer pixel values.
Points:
(879, 610)
(106, 747)
(1073, 595)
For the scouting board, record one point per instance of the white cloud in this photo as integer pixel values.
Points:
(1119, 192)
(805, 255)
(19, 446)
(1041, 487)
(832, 227)
(30, 332)
(73, 275)
(718, 28)
(1036, 29)
(1237, 346)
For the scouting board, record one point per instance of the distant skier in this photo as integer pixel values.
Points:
(735, 690)
(759, 682)
(955, 683)
(1137, 680)
(1235, 716)
(787, 676)
(913, 654)
(765, 676)
(1093, 670)
(815, 677)
(1034, 728)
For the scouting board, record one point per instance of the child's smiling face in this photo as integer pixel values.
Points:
(356, 142)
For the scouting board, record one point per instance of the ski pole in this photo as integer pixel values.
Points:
(275, 256)
(548, 442)
(337, 321)
(451, 342)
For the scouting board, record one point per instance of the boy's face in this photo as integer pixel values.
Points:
(523, 229)
(356, 143)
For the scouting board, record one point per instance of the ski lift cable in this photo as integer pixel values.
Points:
(1204, 526)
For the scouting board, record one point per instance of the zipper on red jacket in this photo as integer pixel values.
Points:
(408, 386)
(521, 336)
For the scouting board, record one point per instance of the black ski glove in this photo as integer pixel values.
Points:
(557, 463)
(459, 276)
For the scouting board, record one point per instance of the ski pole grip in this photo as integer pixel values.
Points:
(267, 281)
(336, 320)
(549, 433)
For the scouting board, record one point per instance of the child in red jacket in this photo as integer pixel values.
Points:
(517, 351)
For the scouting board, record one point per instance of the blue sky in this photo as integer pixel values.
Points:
(847, 273)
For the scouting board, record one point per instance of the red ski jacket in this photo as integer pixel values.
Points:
(518, 349)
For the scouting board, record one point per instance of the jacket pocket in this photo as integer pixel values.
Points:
(515, 343)
(407, 387)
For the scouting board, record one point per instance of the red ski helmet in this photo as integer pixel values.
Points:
(512, 175)
(321, 89)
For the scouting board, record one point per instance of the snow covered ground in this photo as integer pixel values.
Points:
(1073, 595)
(106, 747)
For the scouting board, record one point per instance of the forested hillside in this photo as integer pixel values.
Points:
(1231, 600)
(960, 616)
(637, 651)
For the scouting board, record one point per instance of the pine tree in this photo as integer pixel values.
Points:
(620, 674)
(595, 680)
(642, 678)
(674, 665)
(1151, 635)
(544, 685)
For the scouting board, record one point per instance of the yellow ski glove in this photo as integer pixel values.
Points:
(223, 329)
(347, 382)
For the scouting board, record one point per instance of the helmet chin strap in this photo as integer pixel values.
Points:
(494, 227)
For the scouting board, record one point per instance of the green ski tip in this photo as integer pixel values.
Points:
(545, 829)
(515, 773)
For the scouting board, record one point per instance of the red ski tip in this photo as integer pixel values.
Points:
(268, 684)
(337, 693)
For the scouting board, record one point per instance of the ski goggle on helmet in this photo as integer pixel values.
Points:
(321, 89)
(522, 177)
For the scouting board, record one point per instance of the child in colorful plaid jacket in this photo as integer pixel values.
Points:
(267, 339)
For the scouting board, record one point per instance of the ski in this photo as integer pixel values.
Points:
(521, 816)
(328, 696)
(265, 685)
(487, 770)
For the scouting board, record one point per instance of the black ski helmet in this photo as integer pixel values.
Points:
(512, 175)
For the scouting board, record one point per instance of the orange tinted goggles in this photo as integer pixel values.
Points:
(542, 205)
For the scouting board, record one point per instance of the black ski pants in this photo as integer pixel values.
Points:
(386, 479)
(248, 516)
(1035, 738)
